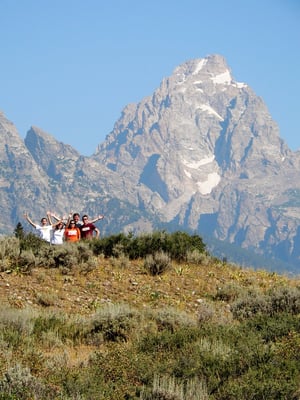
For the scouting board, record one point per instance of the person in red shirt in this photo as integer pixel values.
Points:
(88, 230)
(72, 233)
(78, 223)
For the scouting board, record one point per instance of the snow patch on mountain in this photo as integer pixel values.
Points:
(200, 66)
(239, 85)
(222, 79)
(210, 110)
(197, 164)
(188, 174)
(213, 179)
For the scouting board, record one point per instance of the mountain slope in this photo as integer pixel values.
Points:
(204, 152)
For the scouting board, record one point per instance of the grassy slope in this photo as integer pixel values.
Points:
(120, 281)
(186, 288)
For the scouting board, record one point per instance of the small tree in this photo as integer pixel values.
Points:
(19, 231)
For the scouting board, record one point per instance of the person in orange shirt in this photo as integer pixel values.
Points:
(72, 233)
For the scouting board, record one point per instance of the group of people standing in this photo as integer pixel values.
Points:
(65, 230)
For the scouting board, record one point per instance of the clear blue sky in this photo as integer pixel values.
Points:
(71, 66)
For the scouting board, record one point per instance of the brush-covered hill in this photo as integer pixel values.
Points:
(93, 321)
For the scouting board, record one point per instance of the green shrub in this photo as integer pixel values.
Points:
(32, 242)
(19, 384)
(158, 263)
(170, 388)
(281, 299)
(26, 261)
(285, 299)
(168, 340)
(267, 380)
(9, 252)
(83, 251)
(121, 261)
(60, 325)
(171, 319)
(275, 326)
(26, 251)
(229, 292)
(107, 245)
(54, 322)
(19, 231)
(196, 256)
(250, 304)
(20, 321)
(178, 245)
(205, 312)
(113, 322)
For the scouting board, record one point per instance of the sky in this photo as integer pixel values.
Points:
(69, 67)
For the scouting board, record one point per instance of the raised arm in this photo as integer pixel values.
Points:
(69, 219)
(97, 218)
(57, 223)
(55, 217)
(26, 216)
(49, 218)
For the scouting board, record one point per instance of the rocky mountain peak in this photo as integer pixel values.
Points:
(212, 69)
(202, 153)
(199, 125)
(57, 159)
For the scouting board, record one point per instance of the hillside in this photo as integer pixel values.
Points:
(186, 286)
(111, 330)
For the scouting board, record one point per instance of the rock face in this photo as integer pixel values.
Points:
(202, 153)
(22, 181)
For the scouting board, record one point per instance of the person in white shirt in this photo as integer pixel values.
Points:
(57, 234)
(45, 229)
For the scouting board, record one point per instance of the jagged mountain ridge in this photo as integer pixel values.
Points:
(202, 153)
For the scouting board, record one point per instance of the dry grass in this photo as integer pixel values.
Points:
(185, 286)
(184, 294)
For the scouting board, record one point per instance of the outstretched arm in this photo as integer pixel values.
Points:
(26, 216)
(97, 218)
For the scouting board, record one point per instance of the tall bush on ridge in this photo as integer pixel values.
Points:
(15, 251)
(177, 245)
(106, 245)
(19, 231)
